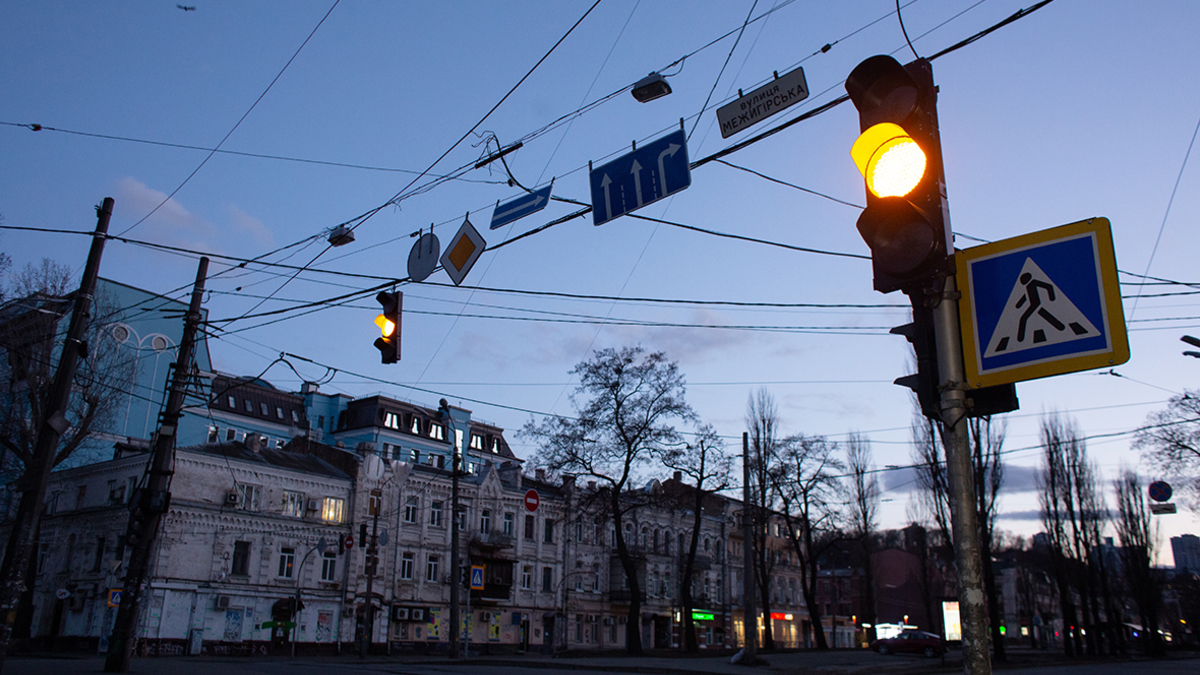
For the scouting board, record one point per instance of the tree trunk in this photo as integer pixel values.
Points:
(993, 601)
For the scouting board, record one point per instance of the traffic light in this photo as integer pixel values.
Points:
(389, 325)
(139, 516)
(926, 382)
(899, 154)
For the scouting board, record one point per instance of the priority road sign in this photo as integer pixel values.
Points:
(644, 176)
(477, 577)
(520, 207)
(464, 249)
(1041, 304)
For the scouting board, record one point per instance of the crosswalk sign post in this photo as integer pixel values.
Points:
(477, 577)
(1041, 304)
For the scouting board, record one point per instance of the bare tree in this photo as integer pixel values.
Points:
(1170, 440)
(1138, 537)
(762, 422)
(806, 483)
(625, 403)
(707, 465)
(32, 329)
(987, 440)
(864, 519)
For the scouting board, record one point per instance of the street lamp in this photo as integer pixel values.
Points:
(321, 546)
(651, 87)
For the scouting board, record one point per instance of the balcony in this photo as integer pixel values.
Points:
(490, 540)
(624, 596)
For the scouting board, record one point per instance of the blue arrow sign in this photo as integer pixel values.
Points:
(520, 207)
(644, 176)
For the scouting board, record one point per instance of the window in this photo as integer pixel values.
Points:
(214, 433)
(241, 558)
(248, 496)
(547, 579)
(374, 504)
(320, 422)
(98, 556)
(293, 503)
(652, 587)
(279, 412)
(416, 456)
(645, 538)
(527, 577)
(410, 510)
(431, 568)
(508, 523)
(232, 402)
(579, 628)
(280, 443)
(435, 514)
(331, 509)
(391, 420)
(461, 520)
(414, 425)
(476, 442)
(485, 520)
(43, 554)
(249, 406)
(579, 531)
(295, 417)
(263, 408)
(230, 434)
(116, 493)
(406, 566)
(437, 431)
(528, 526)
(548, 535)
(596, 577)
(329, 566)
(287, 558)
(666, 587)
(495, 446)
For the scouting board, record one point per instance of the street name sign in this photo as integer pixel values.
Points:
(1041, 304)
(774, 96)
(520, 207)
(644, 176)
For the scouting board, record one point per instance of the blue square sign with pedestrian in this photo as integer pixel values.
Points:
(1041, 304)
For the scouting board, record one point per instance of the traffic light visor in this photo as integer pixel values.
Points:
(889, 159)
(385, 325)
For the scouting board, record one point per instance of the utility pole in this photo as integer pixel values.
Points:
(455, 573)
(961, 478)
(148, 504)
(370, 565)
(749, 610)
(36, 479)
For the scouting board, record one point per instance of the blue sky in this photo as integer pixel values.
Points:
(1081, 109)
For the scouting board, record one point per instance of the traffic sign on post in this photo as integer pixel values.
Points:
(774, 96)
(1041, 304)
(348, 542)
(644, 176)
(477, 577)
(463, 250)
(1160, 491)
(531, 500)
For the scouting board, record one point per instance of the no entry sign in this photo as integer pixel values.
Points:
(531, 500)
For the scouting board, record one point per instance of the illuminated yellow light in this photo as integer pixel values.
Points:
(385, 325)
(890, 160)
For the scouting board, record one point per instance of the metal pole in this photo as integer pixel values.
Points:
(749, 610)
(961, 478)
(36, 478)
(455, 575)
(371, 564)
(155, 499)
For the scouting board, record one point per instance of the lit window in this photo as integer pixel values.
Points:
(331, 509)
(437, 431)
(476, 441)
(287, 558)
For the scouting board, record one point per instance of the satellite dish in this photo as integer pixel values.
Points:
(373, 467)
(423, 258)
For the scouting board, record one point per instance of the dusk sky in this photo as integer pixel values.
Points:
(1080, 109)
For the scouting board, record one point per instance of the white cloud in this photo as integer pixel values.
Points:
(245, 225)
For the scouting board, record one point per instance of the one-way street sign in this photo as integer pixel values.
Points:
(644, 176)
(1041, 304)
(520, 207)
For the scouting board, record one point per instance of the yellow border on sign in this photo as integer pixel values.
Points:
(1118, 352)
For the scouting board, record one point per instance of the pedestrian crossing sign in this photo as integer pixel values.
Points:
(1041, 304)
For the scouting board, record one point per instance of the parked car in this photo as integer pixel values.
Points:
(911, 642)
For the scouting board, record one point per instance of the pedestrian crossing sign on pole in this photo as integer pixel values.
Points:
(477, 577)
(1041, 304)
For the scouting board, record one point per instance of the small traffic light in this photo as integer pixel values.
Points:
(389, 324)
(900, 157)
(139, 516)
(362, 535)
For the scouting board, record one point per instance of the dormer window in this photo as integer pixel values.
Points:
(437, 432)
(414, 425)
(476, 442)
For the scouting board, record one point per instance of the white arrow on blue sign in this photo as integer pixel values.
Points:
(520, 207)
(644, 176)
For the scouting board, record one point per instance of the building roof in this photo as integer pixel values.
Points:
(291, 457)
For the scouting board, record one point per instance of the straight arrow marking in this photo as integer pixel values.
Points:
(636, 170)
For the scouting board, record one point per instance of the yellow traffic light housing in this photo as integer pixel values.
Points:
(889, 159)
(385, 325)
